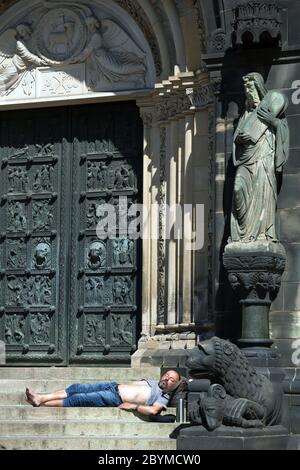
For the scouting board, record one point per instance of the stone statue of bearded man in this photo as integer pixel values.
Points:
(260, 150)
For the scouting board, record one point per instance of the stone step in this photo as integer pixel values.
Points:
(28, 442)
(89, 428)
(28, 413)
(79, 374)
(39, 386)
(12, 398)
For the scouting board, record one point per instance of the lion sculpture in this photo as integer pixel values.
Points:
(238, 395)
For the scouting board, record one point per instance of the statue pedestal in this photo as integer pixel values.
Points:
(254, 272)
(230, 438)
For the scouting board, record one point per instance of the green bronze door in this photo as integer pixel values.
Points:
(67, 295)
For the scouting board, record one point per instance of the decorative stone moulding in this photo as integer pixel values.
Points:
(256, 18)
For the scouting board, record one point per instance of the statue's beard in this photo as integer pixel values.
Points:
(253, 98)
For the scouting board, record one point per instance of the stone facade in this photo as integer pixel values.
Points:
(182, 62)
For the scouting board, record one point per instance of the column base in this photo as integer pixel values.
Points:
(164, 350)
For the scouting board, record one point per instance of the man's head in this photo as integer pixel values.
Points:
(169, 381)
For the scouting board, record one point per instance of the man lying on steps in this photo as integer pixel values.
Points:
(148, 397)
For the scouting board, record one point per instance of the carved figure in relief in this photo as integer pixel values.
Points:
(92, 215)
(94, 288)
(102, 175)
(95, 331)
(16, 292)
(16, 254)
(91, 175)
(65, 35)
(15, 57)
(43, 179)
(14, 329)
(42, 215)
(18, 179)
(125, 176)
(16, 216)
(123, 251)
(39, 291)
(118, 179)
(122, 330)
(40, 328)
(122, 288)
(107, 56)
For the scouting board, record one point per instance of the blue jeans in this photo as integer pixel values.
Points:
(92, 395)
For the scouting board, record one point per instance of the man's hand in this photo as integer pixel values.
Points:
(128, 406)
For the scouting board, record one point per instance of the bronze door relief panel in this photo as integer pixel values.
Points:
(66, 295)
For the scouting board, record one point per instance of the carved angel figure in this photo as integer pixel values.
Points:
(15, 57)
(107, 55)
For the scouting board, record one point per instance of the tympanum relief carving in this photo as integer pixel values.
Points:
(65, 48)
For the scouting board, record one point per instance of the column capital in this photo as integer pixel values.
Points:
(147, 115)
(200, 96)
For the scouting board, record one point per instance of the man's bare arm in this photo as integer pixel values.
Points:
(143, 409)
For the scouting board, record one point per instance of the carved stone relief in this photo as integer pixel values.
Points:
(35, 291)
(101, 291)
(94, 332)
(14, 329)
(65, 48)
(16, 253)
(123, 252)
(137, 14)
(94, 289)
(93, 219)
(96, 255)
(41, 255)
(18, 179)
(43, 179)
(42, 214)
(122, 330)
(40, 328)
(102, 176)
(17, 221)
(122, 290)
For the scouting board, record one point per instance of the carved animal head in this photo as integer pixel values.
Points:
(227, 365)
(210, 408)
(202, 358)
(223, 360)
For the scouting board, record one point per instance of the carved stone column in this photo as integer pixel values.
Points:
(254, 272)
(147, 117)
(169, 160)
(172, 161)
(188, 221)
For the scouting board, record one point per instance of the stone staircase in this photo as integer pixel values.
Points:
(23, 427)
